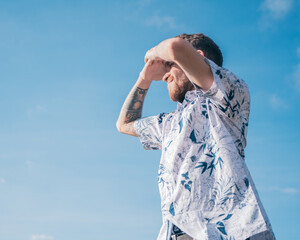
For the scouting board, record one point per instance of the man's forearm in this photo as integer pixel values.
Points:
(132, 107)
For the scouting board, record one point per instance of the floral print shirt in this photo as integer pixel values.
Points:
(205, 186)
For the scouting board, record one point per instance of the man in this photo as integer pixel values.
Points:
(206, 189)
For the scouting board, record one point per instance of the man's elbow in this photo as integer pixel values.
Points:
(126, 128)
(119, 126)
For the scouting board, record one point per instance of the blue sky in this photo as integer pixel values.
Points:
(65, 70)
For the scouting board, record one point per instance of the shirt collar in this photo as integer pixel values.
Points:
(189, 97)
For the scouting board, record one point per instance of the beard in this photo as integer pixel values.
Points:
(177, 91)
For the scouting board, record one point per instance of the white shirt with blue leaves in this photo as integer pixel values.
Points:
(205, 186)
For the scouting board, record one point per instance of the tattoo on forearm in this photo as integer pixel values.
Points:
(133, 109)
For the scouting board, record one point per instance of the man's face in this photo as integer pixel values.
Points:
(178, 83)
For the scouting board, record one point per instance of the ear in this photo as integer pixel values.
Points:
(201, 52)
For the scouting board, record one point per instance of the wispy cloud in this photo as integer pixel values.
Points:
(284, 190)
(30, 164)
(287, 190)
(296, 73)
(37, 110)
(298, 51)
(276, 102)
(296, 77)
(147, 13)
(2, 180)
(277, 9)
(144, 3)
(41, 237)
(162, 22)
(136, 9)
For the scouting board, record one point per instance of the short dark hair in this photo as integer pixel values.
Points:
(206, 44)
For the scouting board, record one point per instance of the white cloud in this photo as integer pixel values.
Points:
(144, 3)
(37, 110)
(41, 237)
(286, 190)
(277, 102)
(2, 180)
(283, 190)
(162, 22)
(289, 190)
(277, 9)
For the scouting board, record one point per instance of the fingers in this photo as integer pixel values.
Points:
(155, 61)
(147, 56)
(154, 69)
(150, 55)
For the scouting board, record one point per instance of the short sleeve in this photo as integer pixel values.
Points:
(229, 93)
(149, 131)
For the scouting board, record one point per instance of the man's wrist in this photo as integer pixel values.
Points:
(143, 83)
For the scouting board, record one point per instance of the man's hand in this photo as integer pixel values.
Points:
(154, 70)
(151, 54)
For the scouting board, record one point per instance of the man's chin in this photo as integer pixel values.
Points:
(176, 95)
(175, 98)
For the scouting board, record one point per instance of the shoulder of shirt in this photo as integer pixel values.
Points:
(228, 73)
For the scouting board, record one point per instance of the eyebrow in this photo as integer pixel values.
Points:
(169, 63)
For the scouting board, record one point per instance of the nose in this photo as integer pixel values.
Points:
(166, 76)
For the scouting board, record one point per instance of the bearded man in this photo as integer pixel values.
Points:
(206, 189)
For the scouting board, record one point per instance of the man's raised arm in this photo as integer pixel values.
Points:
(133, 105)
(190, 60)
